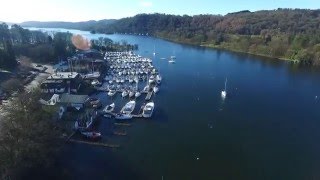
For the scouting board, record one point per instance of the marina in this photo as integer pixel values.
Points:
(125, 77)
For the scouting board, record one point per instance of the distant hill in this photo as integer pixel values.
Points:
(8, 23)
(85, 25)
(292, 34)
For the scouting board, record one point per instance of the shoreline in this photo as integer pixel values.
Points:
(227, 49)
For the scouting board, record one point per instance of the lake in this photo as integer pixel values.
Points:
(268, 127)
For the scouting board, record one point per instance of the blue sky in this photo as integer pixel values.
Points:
(82, 10)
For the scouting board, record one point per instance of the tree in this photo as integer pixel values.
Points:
(12, 85)
(28, 137)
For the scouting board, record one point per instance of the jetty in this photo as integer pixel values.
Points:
(148, 97)
(95, 143)
(118, 133)
(122, 124)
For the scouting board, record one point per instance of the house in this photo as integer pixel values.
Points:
(73, 101)
(62, 82)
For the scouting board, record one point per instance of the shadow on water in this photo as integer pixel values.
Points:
(160, 115)
(106, 164)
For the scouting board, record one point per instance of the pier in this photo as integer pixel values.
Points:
(148, 97)
(122, 124)
(95, 143)
(118, 133)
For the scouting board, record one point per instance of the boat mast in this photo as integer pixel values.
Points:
(225, 85)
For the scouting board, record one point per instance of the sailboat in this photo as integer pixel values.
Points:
(154, 50)
(224, 92)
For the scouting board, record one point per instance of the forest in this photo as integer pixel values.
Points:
(291, 34)
(43, 47)
(39, 46)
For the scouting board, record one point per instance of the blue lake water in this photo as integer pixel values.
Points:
(267, 128)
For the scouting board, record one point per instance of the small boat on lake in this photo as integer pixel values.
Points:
(146, 88)
(96, 82)
(109, 108)
(172, 61)
(137, 94)
(155, 89)
(148, 110)
(158, 79)
(91, 135)
(151, 79)
(224, 92)
(124, 94)
(131, 94)
(128, 108)
(83, 125)
(112, 93)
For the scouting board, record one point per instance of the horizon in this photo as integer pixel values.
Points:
(81, 10)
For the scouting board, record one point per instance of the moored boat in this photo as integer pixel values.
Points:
(124, 94)
(131, 93)
(109, 108)
(148, 110)
(137, 94)
(155, 89)
(128, 108)
(91, 135)
(112, 93)
(158, 79)
(151, 79)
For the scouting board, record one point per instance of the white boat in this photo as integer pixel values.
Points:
(93, 75)
(123, 116)
(148, 110)
(80, 125)
(146, 88)
(172, 57)
(172, 61)
(112, 93)
(137, 94)
(128, 108)
(155, 89)
(151, 79)
(154, 50)
(158, 78)
(136, 79)
(95, 82)
(91, 135)
(124, 93)
(109, 108)
(224, 92)
(131, 93)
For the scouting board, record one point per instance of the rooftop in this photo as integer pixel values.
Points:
(63, 75)
(75, 99)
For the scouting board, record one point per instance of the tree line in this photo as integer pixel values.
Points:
(283, 33)
(39, 46)
(44, 47)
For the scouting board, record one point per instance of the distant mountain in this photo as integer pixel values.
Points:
(292, 34)
(85, 25)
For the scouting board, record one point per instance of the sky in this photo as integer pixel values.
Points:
(82, 10)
